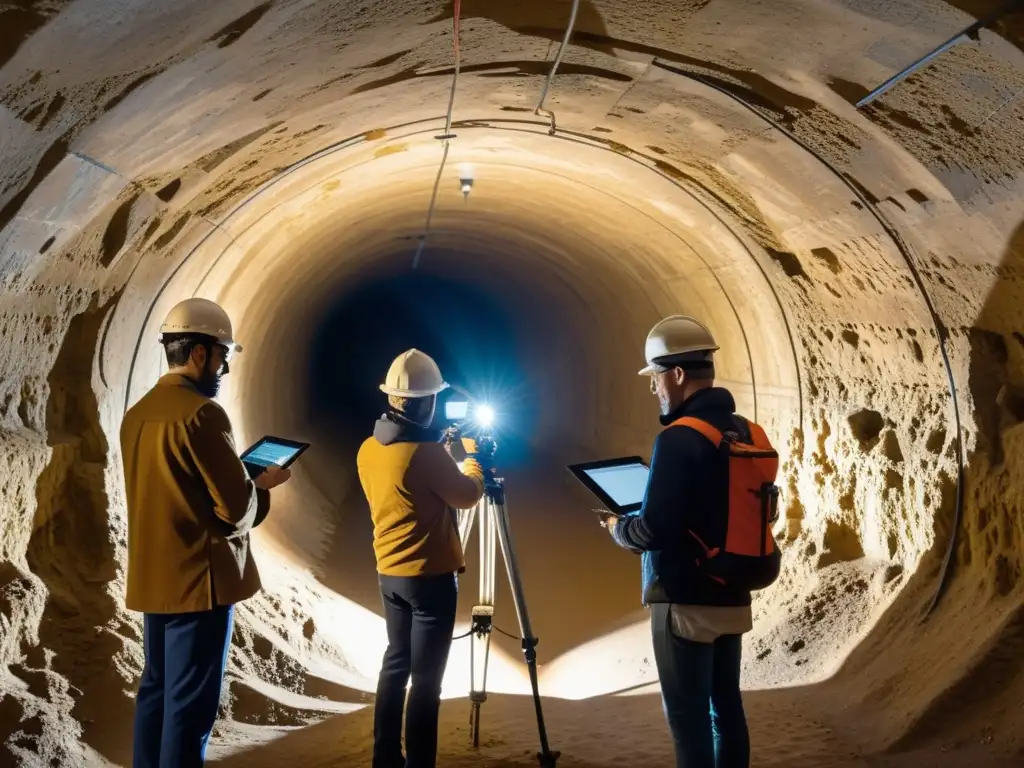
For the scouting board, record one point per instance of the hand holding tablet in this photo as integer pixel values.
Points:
(274, 454)
(620, 483)
(271, 477)
(608, 519)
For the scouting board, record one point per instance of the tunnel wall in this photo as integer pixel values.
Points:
(303, 270)
(114, 169)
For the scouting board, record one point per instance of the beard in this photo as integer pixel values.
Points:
(209, 382)
(665, 405)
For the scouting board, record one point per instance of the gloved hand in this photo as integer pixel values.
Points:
(472, 468)
(459, 450)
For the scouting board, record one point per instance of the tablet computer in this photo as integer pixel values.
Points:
(271, 451)
(619, 483)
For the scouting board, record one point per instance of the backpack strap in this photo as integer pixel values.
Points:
(701, 426)
(758, 437)
(742, 426)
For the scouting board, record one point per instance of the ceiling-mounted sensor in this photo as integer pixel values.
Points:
(466, 177)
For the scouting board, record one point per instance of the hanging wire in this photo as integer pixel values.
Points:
(540, 111)
(998, 109)
(446, 137)
(430, 211)
(456, 12)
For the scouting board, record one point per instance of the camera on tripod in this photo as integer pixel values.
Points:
(477, 420)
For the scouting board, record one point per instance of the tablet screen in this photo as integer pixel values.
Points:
(625, 484)
(620, 483)
(269, 452)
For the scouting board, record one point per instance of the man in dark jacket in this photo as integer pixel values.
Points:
(697, 624)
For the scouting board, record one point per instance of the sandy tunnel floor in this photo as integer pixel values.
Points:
(785, 731)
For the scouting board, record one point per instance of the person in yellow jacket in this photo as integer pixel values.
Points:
(191, 505)
(413, 485)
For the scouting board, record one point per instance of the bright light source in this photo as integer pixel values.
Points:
(484, 415)
(466, 176)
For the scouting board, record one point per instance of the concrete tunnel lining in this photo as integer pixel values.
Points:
(208, 279)
(867, 498)
(289, 284)
(304, 269)
(446, 235)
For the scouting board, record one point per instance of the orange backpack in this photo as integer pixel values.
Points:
(744, 555)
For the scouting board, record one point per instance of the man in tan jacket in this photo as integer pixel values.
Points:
(191, 506)
(412, 485)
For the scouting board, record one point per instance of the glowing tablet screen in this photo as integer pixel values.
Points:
(625, 484)
(273, 451)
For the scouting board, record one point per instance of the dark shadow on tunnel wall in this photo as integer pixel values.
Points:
(967, 654)
(545, 18)
(71, 550)
(994, 497)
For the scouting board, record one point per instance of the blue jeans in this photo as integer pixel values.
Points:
(420, 615)
(186, 654)
(700, 689)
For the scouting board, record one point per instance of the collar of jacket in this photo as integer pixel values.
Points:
(391, 428)
(708, 399)
(176, 380)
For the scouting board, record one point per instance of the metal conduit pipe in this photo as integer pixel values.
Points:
(540, 111)
(446, 137)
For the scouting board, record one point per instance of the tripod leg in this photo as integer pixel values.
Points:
(483, 614)
(478, 697)
(504, 531)
(465, 518)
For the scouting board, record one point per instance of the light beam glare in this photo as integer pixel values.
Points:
(484, 415)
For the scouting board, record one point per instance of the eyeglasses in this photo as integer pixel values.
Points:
(654, 377)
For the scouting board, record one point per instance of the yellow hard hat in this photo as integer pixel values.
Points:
(413, 374)
(677, 338)
(201, 316)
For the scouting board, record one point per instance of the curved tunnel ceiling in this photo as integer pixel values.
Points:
(708, 159)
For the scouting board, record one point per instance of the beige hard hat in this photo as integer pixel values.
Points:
(201, 316)
(677, 339)
(413, 374)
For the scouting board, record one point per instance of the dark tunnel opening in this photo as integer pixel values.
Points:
(505, 343)
(470, 334)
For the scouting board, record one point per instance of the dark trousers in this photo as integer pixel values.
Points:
(179, 693)
(700, 689)
(420, 615)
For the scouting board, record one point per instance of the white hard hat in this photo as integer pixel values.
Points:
(201, 316)
(413, 374)
(676, 339)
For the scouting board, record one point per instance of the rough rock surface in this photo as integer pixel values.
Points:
(708, 158)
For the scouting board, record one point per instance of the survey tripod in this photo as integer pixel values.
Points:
(495, 529)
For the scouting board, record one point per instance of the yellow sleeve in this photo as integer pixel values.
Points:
(211, 444)
(459, 489)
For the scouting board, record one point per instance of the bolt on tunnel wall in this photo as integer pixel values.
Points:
(280, 158)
